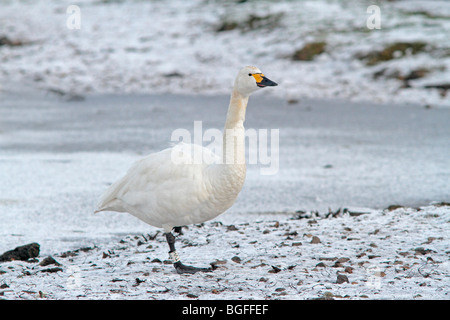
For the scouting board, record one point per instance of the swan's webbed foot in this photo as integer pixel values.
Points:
(179, 267)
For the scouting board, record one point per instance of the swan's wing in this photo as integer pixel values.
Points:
(166, 181)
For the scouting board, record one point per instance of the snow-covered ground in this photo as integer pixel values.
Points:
(175, 46)
(399, 254)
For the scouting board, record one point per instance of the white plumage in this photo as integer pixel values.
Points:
(165, 192)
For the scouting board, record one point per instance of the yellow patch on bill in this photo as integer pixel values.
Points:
(258, 77)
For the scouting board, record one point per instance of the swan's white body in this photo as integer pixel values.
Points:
(167, 194)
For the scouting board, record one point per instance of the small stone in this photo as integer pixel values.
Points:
(52, 270)
(236, 259)
(341, 279)
(348, 270)
(422, 251)
(274, 270)
(321, 265)
(315, 240)
(48, 261)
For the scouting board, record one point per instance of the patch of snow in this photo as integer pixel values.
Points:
(173, 46)
(398, 254)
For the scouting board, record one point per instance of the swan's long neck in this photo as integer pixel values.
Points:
(229, 176)
(234, 132)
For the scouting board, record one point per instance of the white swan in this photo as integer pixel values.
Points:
(168, 194)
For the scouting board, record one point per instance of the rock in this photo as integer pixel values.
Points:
(422, 251)
(315, 240)
(48, 261)
(236, 259)
(274, 270)
(232, 228)
(52, 270)
(321, 265)
(23, 253)
(341, 279)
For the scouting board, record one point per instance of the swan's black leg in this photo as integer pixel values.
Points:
(181, 268)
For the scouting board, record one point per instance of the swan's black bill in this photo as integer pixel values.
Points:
(265, 82)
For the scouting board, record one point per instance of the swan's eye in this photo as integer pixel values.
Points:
(249, 74)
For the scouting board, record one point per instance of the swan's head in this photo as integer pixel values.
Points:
(250, 79)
